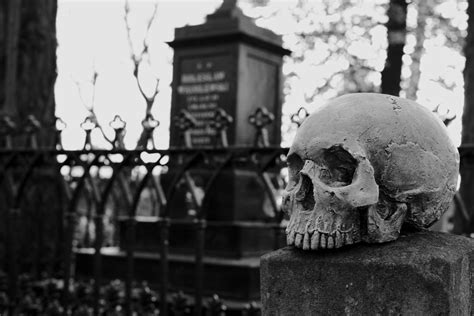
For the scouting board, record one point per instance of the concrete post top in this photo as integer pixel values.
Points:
(411, 248)
(423, 273)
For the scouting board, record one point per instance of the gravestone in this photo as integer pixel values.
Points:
(231, 64)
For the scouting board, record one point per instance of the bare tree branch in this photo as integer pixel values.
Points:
(137, 58)
(90, 107)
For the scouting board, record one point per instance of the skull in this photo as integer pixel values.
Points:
(362, 166)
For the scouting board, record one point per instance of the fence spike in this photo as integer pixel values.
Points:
(299, 117)
(88, 125)
(118, 126)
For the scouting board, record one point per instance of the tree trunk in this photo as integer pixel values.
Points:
(466, 170)
(396, 34)
(424, 10)
(28, 64)
(27, 77)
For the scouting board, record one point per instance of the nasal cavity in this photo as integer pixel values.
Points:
(305, 195)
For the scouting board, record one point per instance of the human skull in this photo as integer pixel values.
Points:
(363, 165)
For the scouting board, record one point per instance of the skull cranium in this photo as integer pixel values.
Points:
(363, 165)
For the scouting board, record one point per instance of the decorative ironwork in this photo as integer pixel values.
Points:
(260, 119)
(7, 128)
(299, 117)
(31, 128)
(119, 126)
(185, 122)
(88, 125)
(220, 122)
(60, 125)
(146, 140)
(74, 295)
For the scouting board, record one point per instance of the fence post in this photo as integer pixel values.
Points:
(13, 216)
(164, 244)
(200, 227)
(130, 263)
(68, 254)
(99, 236)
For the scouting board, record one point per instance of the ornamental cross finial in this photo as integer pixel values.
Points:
(185, 122)
(260, 119)
(219, 124)
(7, 128)
(32, 126)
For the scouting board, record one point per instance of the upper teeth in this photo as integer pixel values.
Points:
(319, 240)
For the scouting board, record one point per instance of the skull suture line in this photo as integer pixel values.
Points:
(363, 165)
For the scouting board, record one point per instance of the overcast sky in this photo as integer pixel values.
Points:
(92, 37)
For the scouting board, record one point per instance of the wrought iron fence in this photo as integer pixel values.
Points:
(34, 284)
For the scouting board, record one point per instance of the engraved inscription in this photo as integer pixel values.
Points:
(204, 86)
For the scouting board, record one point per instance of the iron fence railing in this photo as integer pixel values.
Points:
(79, 174)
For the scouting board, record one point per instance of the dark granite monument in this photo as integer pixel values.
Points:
(229, 63)
(232, 65)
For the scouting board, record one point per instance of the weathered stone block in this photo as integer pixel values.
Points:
(424, 273)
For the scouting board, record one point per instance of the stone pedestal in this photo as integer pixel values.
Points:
(425, 273)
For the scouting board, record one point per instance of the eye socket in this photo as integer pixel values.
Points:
(338, 167)
(343, 174)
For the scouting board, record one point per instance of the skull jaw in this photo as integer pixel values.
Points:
(327, 229)
(314, 230)
(307, 231)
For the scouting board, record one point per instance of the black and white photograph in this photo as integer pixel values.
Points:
(236, 157)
